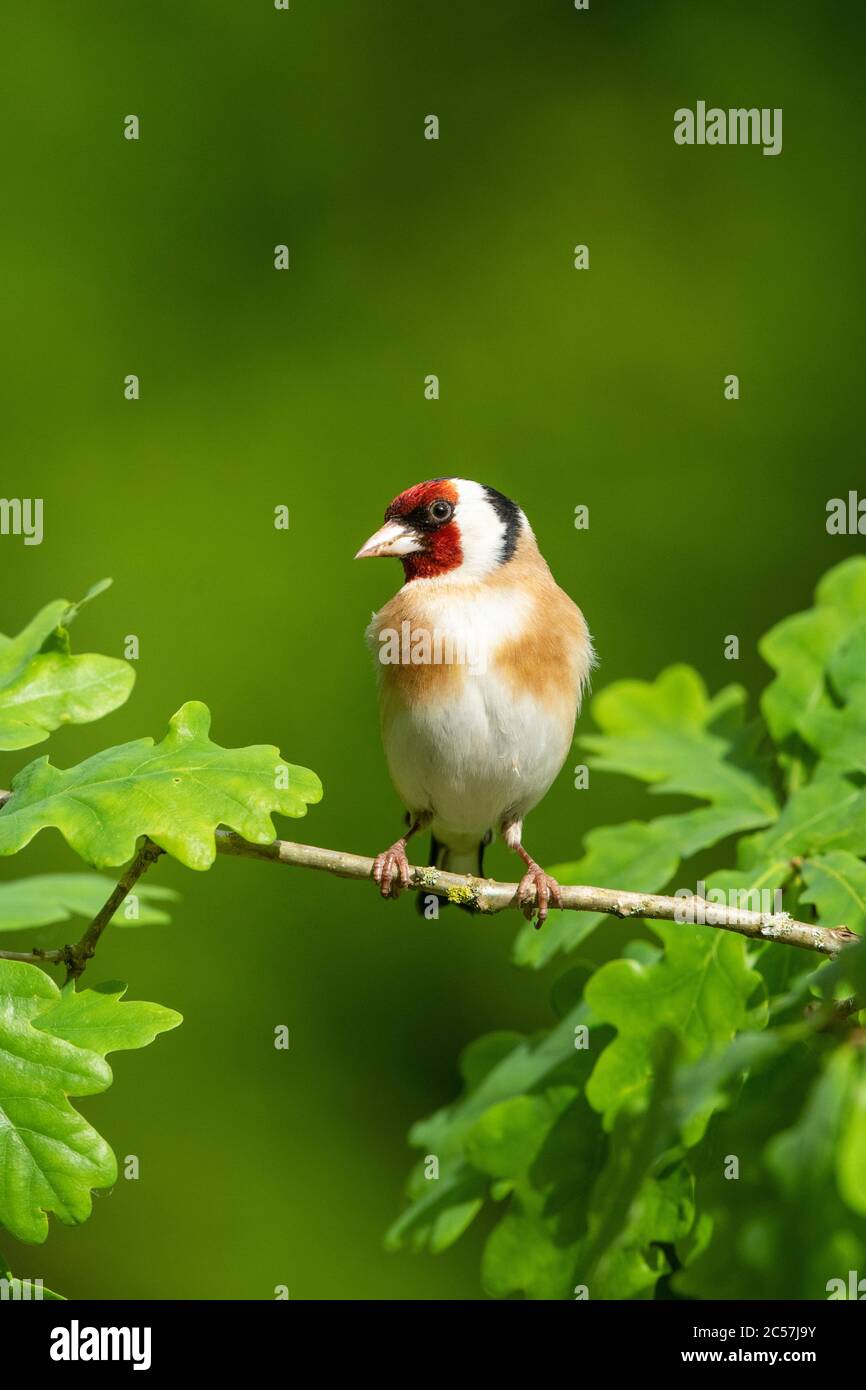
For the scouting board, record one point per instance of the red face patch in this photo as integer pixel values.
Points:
(428, 508)
(420, 496)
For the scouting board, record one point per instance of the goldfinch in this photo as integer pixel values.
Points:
(482, 661)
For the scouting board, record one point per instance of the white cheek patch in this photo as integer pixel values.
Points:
(482, 532)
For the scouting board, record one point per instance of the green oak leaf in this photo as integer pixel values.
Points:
(780, 1230)
(96, 1019)
(26, 903)
(505, 1140)
(836, 885)
(524, 1254)
(496, 1068)
(52, 1046)
(668, 732)
(801, 648)
(529, 1064)
(661, 1213)
(631, 1208)
(42, 685)
(551, 1148)
(847, 670)
(177, 792)
(441, 1208)
(839, 734)
(699, 990)
(706, 1085)
(828, 814)
(844, 588)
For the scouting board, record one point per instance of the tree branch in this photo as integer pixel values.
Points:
(486, 895)
(481, 895)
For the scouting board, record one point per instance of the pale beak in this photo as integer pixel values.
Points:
(391, 539)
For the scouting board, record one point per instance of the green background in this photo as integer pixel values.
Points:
(305, 388)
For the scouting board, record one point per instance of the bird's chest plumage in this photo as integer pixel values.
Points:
(468, 736)
(474, 757)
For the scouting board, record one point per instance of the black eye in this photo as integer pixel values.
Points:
(440, 510)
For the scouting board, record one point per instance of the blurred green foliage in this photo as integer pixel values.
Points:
(687, 1145)
(305, 388)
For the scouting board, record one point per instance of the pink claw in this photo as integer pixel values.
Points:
(391, 870)
(535, 892)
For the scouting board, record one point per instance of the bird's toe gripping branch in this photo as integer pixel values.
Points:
(535, 892)
(391, 867)
(391, 870)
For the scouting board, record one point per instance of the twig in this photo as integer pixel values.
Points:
(75, 957)
(37, 957)
(480, 894)
(486, 895)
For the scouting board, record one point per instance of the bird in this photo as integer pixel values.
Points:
(482, 665)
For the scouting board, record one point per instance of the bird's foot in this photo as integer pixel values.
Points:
(391, 870)
(535, 892)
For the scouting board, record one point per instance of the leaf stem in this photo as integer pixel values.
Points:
(75, 957)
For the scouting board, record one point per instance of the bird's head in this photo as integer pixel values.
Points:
(449, 526)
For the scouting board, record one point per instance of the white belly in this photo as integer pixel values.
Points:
(476, 759)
